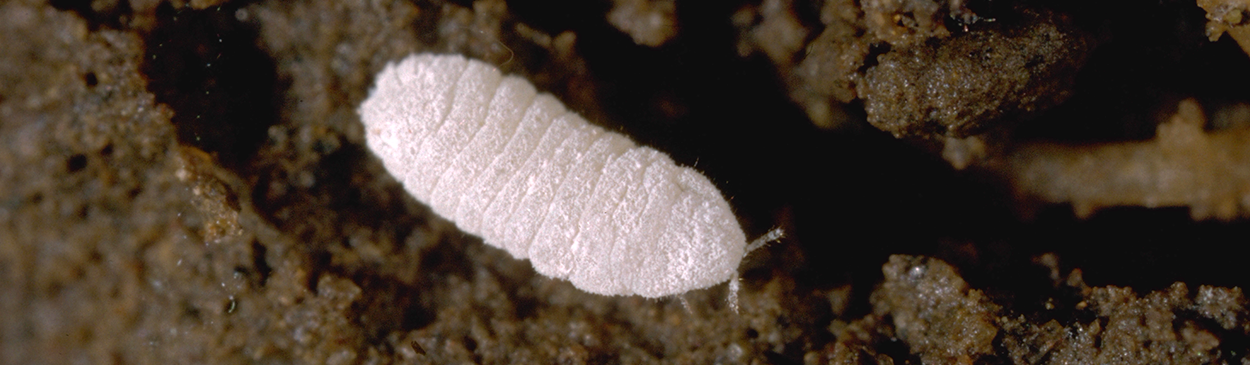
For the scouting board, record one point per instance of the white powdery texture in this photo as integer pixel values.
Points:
(516, 168)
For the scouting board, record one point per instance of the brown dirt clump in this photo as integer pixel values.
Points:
(1168, 326)
(943, 321)
(92, 217)
(832, 66)
(963, 85)
(914, 74)
(934, 311)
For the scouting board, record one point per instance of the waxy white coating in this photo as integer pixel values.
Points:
(516, 168)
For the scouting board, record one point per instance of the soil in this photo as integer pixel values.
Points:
(187, 182)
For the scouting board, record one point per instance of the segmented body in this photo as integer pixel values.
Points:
(515, 167)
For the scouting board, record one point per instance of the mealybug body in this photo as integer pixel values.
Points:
(516, 168)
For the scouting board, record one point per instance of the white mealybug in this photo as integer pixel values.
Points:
(530, 177)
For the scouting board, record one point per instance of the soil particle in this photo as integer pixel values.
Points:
(920, 68)
(821, 73)
(934, 311)
(939, 319)
(1228, 16)
(833, 63)
(649, 22)
(906, 22)
(967, 83)
(1160, 327)
(89, 194)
